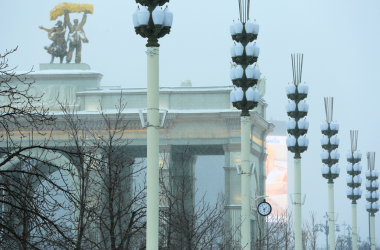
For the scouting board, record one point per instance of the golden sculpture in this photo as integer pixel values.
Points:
(76, 33)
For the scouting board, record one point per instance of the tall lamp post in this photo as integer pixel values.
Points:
(297, 142)
(324, 228)
(330, 157)
(372, 195)
(354, 181)
(152, 22)
(244, 76)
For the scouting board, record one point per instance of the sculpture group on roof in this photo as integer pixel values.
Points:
(76, 33)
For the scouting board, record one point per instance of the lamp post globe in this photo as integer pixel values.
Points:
(153, 22)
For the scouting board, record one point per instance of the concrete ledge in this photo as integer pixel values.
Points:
(64, 66)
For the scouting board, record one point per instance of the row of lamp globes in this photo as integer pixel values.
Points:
(250, 27)
(161, 18)
(372, 195)
(330, 154)
(252, 95)
(354, 180)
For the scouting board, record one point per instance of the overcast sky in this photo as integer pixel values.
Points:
(340, 41)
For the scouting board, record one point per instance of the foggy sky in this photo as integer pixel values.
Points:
(339, 39)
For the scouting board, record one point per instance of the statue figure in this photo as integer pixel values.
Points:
(76, 36)
(59, 46)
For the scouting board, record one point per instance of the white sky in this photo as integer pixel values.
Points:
(339, 39)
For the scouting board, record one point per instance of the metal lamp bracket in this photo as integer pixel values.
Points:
(152, 51)
(239, 172)
(294, 203)
(146, 124)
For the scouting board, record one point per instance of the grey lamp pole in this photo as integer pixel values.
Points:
(372, 196)
(354, 181)
(330, 157)
(245, 98)
(324, 228)
(151, 22)
(297, 143)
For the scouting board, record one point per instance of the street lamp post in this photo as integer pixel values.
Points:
(354, 181)
(297, 143)
(152, 22)
(244, 76)
(372, 195)
(330, 157)
(324, 228)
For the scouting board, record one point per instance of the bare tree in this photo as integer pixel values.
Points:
(26, 211)
(59, 192)
(309, 232)
(277, 233)
(184, 222)
(110, 212)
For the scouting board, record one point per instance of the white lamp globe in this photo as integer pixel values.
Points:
(349, 191)
(292, 123)
(135, 18)
(232, 96)
(292, 141)
(232, 50)
(306, 124)
(368, 205)
(292, 88)
(301, 106)
(306, 106)
(306, 88)
(306, 141)
(249, 26)
(143, 16)
(249, 94)
(249, 72)
(301, 88)
(168, 19)
(349, 179)
(256, 27)
(232, 73)
(239, 72)
(349, 155)
(324, 126)
(349, 167)
(256, 50)
(158, 16)
(356, 179)
(292, 106)
(301, 124)
(239, 49)
(238, 27)
(256, 97)
(239, 94)
(301, 141)
(249, 49)
(232, 29)
(256, 73)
